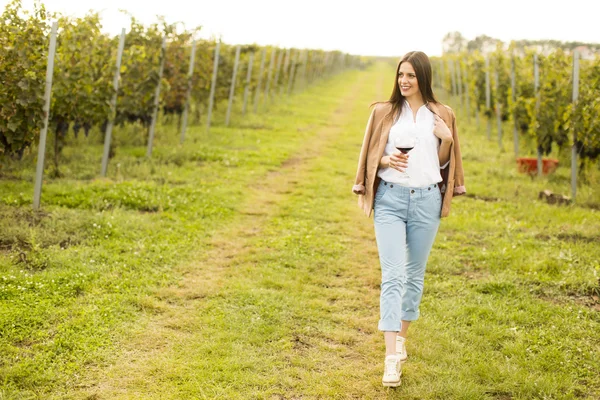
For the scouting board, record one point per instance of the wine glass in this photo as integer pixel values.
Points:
(405, 143)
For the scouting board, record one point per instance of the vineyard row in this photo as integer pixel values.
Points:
(157, 72)
(552, 99)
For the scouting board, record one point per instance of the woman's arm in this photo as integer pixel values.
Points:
(359, 181)
(444, 151)
(459, 177)
(441, 130)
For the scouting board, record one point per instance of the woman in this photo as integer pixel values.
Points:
(409, 193)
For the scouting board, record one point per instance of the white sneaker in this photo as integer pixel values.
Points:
(392, 372)
(401, 348)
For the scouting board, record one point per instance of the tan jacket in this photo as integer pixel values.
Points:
(376, 137)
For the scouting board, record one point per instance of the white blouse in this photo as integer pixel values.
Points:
(423, 161)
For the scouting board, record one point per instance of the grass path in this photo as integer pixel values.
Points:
(198, 316)
(282, 299)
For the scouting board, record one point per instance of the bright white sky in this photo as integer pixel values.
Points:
(367, 27)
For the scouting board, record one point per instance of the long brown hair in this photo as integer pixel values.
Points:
(422, 66)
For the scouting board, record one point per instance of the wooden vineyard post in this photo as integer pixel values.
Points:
(298, 71)
(326, 64)
(319, 67)
(260, 78)
(39, 173)
(213, 85)
(513, 85)
(459, 83)
(498, 110)
(293, 72)
(488, 101)
(536, 86)
(157, 96)
(286, 64)
(452, 78)
(113, 105)
(277, 72)
(232, 87)
(188, 94)
(574, 147)
(442, 74)
(477, 119)
(248, 80)
(466, 89)
(303, 71)
(270, 75)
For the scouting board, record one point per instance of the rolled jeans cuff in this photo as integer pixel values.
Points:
(392, 325)
(409, 315)
(389, 325)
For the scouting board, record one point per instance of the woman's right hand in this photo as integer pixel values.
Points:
(397, 161)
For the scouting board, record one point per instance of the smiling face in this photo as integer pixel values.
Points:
(407, 81)
(412, 81)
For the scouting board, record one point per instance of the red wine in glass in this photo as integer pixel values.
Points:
(404, 144)
(405, 150)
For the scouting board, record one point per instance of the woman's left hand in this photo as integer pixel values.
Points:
(441, 130)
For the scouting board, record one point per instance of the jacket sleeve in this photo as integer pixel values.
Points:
(459, 176)
(359, 182)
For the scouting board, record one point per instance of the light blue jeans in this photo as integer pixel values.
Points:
(406, 222)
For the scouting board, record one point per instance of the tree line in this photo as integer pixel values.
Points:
(455, 42)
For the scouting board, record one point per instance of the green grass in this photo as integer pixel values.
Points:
(241, 267)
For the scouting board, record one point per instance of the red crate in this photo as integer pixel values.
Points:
(529, 165)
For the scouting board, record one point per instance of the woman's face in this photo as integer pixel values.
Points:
(407, 80)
